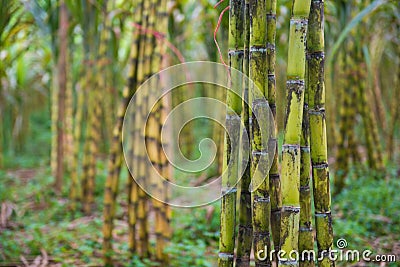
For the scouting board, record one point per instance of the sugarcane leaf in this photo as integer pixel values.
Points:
(351, 25)
(367, 58)
(38, 13)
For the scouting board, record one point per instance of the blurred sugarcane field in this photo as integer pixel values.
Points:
(199, 133)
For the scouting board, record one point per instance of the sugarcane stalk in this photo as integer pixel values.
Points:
(70, 146)
(115, 160)
(342, 151)
(137, 55)
(292, 134)
(351, 120)
(76, 191)
(318, 140)
(54, 112)
(104, 63)
(166, 174)
(156, 153)
(371, 133)
(62, 88)
(144, 72)
(93, 129)
(274, 177)
(258, 73)
(231, 141)
(164, 216)
(394, 111)
(69, 115)
(90, 152)
(306, 235)
(245, 229)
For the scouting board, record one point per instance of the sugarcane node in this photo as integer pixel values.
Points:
(304, 189)
(317, 111)
(246, 227)
(288, 263)
(233, 53)
(274, 176)
(320, 165)
(307, 228)
(259, 199)
(290, 209)
(225, 256)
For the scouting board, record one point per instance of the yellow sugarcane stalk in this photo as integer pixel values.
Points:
(292, 134)
(115, 160)
(318, 140)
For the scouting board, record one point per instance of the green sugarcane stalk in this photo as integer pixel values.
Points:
(76, 196)
(231, 143)
(104, 71)
(93, 131)
(344, 129)
(245, 230)
(54, 112)
(351, 108)
(69, 145)
(351, 116)
(377, 150)
(292, 135)
(394, 111)
(274, 177)
(318, 140)
(90, 148)
(371, 132)
(306, 235)
(261, 202)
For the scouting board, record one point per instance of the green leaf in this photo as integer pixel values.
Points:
(351, 25)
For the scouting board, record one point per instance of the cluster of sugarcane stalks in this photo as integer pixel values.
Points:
(356, 100)
(146, 59)
(282, 201)
(89, 104)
